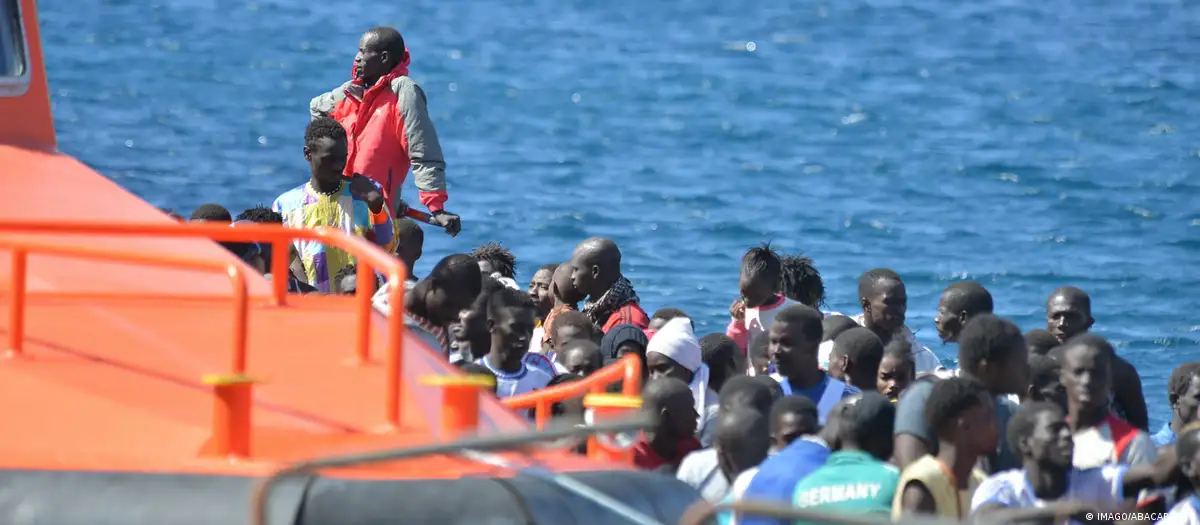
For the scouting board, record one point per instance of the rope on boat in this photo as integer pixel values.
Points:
(508, 441)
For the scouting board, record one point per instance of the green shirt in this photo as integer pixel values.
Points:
(852, 482)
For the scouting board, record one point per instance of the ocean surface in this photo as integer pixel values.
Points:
(1025, 145)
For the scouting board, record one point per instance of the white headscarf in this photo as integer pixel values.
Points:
(507, 282)
(676, 341)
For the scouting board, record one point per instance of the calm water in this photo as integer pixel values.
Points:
(1021, 144)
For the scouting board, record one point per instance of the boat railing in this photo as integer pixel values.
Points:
(232, 391)
(627, 371)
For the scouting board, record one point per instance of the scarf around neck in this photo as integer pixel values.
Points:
(618, 295)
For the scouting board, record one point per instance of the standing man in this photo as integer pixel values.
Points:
(383, 111)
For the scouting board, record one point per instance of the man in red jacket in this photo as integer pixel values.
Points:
(384, 113)
(596, 272)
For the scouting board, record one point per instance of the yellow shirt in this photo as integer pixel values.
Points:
(938, 480)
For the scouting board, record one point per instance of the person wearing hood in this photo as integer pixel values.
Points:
(675, 352)
(384, 113)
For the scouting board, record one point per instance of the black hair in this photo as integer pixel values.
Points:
(1090, 341)
(719, 352)
(745, 392)
(1043, 370)
(772, 385)
(574, 319)
(407, 225)
(502, 260)
(899, 347)
(505, 298)
(862, 346)
(666, 314)
(260, 214)
(388, 39)
(1180, 379)
(762, 262)
(792, 405)
(323, 128)
(1040, 341)
(488, 287)
(801, 280)
(834, 325)
(949, 399)
(987, 337)
(457, 272)
(547, 268)
(658, 391)
(869, 422)
(871, 277)
(806, 318)
(1076, 296)
(1022, 423)
(967, 296)
(211, 212)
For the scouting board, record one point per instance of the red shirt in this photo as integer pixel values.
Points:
(628, 313)
(646, 458)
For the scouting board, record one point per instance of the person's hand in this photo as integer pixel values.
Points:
(451, 222)
(401, 209)
(738, 310)
(366, 190)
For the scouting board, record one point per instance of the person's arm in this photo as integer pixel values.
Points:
(1164, 471)
(736, 330)
(424, 149)
(912, 437)
(916, 499)
(323, 105)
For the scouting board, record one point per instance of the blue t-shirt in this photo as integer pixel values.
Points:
(778, 475)
(1165, 436)
(816, 391)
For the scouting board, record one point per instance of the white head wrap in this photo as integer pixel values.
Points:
(676, 341)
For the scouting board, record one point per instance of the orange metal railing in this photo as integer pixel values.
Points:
(369, 258)
(627, 370)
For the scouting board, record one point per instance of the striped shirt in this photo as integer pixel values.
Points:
(303, 207)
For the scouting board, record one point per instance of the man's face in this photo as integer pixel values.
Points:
(370, 62)
(1066, 318)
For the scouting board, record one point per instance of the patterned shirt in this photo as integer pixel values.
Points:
(303, 207)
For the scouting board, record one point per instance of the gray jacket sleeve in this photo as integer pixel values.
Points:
(424, 150)
(323, 104)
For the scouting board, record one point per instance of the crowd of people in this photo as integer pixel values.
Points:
(789, 404)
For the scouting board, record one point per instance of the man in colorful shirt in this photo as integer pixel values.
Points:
(354, 205)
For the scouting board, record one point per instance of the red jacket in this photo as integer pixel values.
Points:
(628, 313)
(390, 131)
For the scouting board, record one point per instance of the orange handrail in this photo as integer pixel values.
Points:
(628, 370)
(369, 258)
(18, 287)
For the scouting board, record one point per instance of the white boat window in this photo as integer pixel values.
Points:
(12, 40)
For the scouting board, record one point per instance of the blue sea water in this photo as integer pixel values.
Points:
(1025, 145)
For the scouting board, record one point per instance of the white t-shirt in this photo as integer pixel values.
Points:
(1186, 512)
(509, 384)
(1094, 447)
(701, 470)
(924, 360)
(1102, 486)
